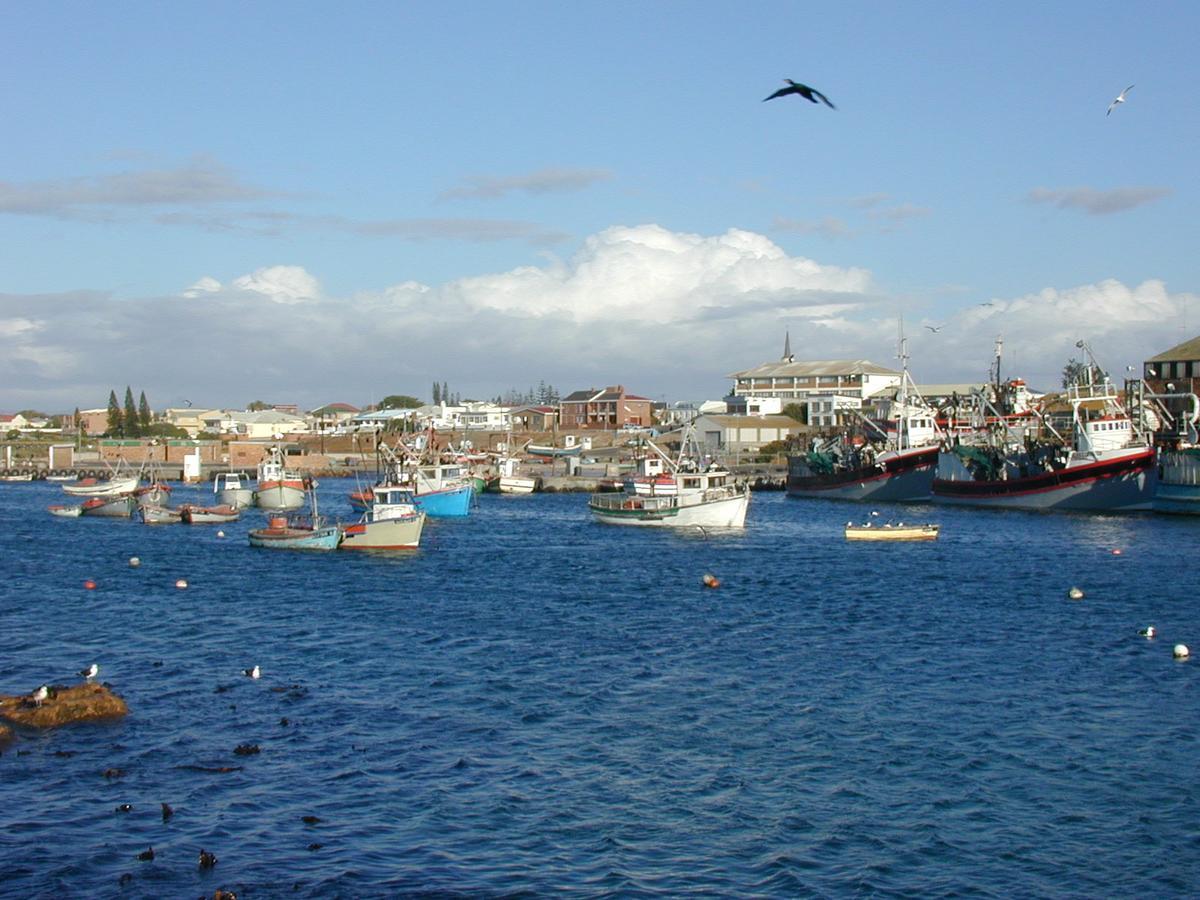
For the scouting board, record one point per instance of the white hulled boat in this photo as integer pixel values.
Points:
(278, 487)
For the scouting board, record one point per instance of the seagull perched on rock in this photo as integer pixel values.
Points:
(90, 672)
(255, 672)
(812, 95)
(41, 694)
(1120, 99)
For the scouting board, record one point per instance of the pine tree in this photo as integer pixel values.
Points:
(446, 393)
(144, 415)
(130, 417)
(114, 415)
(437, 393)
(80, 425)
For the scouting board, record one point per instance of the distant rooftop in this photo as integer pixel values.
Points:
(785, 369)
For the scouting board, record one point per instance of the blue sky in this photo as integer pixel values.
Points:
(342, 202)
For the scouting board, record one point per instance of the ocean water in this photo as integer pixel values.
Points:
(534, 704)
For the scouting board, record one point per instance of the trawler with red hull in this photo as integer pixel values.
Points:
(1106, 466)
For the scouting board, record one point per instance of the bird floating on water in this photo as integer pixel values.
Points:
(255, 672)
(1147, 632)
(167, 812)
(808, 93)
(146, 855)
(1120, 99)
(207, 860)
(1075, 593)
(90, 672)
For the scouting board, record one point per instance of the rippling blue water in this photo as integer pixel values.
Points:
(533, 703)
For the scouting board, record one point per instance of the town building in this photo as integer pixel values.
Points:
(611, 408)
(724, 434)
(534, 418)
(1179, 366)
(836, 383)
(332, 417)
(262, 425)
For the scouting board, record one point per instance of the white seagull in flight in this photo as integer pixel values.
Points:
(1120, 99)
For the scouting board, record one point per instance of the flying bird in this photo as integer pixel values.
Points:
(90, 672)
(1120, 99)
(808, 93)
(935, 330)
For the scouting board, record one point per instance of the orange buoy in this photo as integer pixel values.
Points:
(1117, 552)
(711, 580)
(90, 585)
(181, 584)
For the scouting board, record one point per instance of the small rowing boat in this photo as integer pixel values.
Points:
(890, 532)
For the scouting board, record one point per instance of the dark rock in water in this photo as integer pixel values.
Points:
(167, 812)
(219, 894)
(65, 754)
(146, 855)
(315, 846)
(157, 663)
(6, 735)
(207, 860)
(246, 749)
(309, 820)
(125, 879)
(81, 703)
(284, 722)
(124, 807)
(114, 773)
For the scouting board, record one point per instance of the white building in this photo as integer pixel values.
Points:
(262, 425)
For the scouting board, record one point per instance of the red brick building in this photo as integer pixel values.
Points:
(609, 409)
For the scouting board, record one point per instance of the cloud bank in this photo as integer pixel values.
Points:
(1098, 203)
(668, 314)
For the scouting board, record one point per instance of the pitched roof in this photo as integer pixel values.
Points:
(785, 369)
(1185, 352)
(336, 407)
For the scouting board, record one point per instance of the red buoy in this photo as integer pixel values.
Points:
(711, 580)
(90, 585)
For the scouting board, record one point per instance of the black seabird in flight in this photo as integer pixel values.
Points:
(795, 87)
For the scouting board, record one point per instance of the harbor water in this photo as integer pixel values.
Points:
(535, 704)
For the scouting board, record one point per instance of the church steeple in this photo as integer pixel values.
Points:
(787, 348)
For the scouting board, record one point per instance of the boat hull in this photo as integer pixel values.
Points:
(446, 503)
(906, 477)
(280, 495)
(153, 514)
(385, 534)
(1178, 483)
(238, 498)
(115, 507)
(210, 515)
(1125, 483)
(67, 512)
(324, 538)
(669, 512)
(90, 487)
(517, 484)
(892, 533)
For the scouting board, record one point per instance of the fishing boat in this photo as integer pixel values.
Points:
(209, 515)
(66, 512)
(890, 532)
(233, 489)
(16, 476)
(893, 462)
(157, 514)
(113, 507)
(279, 488)
(297, 531)
(510, 480)
(115, 485)
(392, 522)
(1105, 465)
(549, 451)
(705, 496)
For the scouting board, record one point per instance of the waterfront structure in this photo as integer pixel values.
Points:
(610, 408)
(837, 382)
(718, 434)
(1176, 370)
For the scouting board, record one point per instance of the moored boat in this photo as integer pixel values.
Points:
(1178, 482)
(114, 507)
(157, 514)
(233, 489)
(114, 486)
(893, 462)
(283, 533)
(278, 487)
(1105, 466)
(511, 481)
(67, 512)
(890, 532)
(704, 497)
(209, 515)
(391, 523)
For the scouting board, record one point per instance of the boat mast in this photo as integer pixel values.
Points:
(902, 439)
